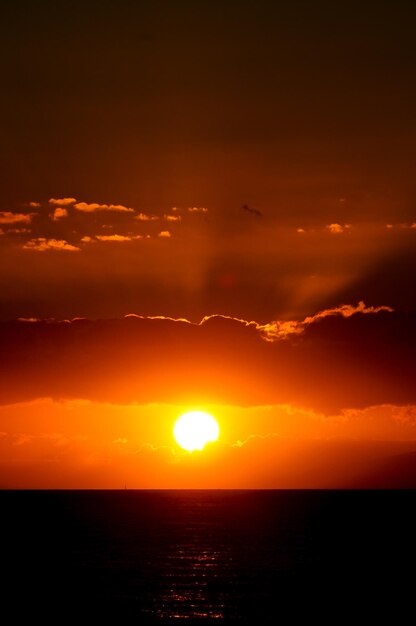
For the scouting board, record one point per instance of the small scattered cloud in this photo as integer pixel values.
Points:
(62, 201)
(41, 244)
(337, 229)
(191, 209)
(300, 230)
(34, 205)
(87, 239)
(119, 238)
(7, 217)
(164, 234)
(59, 213)
(91, 207)
(144, 217)
(172, 218)
(401, 226)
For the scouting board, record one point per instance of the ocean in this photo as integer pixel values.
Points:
(192, 556)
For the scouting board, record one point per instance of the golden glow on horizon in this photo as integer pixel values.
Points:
(195, 429)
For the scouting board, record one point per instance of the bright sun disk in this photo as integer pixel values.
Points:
(194, 429)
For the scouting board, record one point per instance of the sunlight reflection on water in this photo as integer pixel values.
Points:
(192, 579)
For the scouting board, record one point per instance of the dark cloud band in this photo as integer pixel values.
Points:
(335, 362)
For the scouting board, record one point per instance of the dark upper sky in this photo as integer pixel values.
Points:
(303, 111)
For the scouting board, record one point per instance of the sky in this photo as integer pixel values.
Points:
(207, 205)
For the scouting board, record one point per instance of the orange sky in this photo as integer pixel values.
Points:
(80, 444)
(207, 205)
(326, 402)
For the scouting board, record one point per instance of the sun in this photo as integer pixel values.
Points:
(194, 429)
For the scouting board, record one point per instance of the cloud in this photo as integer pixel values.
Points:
(110, 238)
(191, 209)
(349, 359)
(28, 319)
(63, 202)
(401, 226)
(7, 217)
(119, 238)
(240, 443)
(172, 218)
(336, 229)
(164, 234)
(144, 217)
(41, 244)
(34, 205)
(58, 213)
(282, 330)
(19, 230)
(93, 206)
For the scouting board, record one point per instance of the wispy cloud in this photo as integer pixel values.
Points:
(240, 443)
(401, 226)
(164, 234)
(19, 230)
(41, 244)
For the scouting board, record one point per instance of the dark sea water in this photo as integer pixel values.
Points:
(171, 556)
